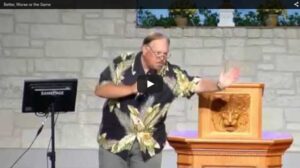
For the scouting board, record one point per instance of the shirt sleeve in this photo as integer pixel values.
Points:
(114, 72)
(105, 76)
(185, 84)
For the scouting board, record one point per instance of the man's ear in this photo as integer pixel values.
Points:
(144, 49)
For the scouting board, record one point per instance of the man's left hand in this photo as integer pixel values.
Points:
(226, 79)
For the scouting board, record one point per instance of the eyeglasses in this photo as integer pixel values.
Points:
(158, 54)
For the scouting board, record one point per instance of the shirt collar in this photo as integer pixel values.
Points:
(137, 67)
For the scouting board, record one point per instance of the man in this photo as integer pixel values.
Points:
(132, 132)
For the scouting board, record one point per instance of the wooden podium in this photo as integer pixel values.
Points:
(230, 133)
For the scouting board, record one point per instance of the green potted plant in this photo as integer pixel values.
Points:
(269, 12)
(182, 11)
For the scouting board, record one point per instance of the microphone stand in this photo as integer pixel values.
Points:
(51, 154)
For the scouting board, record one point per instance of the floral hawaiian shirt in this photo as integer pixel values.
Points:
(140, 117)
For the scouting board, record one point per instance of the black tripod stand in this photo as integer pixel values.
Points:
(51, 154)
(56, 95)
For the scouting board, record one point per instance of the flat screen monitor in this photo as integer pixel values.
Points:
(40, 95)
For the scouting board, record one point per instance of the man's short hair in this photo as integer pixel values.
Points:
(155, 36)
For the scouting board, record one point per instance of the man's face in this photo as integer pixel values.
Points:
(155, 54)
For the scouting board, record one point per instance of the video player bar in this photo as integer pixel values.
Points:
(146, 4)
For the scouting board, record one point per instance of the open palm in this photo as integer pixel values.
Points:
(226, 79)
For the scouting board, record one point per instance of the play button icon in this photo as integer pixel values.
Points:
(149, 83)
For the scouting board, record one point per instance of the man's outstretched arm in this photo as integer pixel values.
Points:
(208, 85)
(112, 91)
(225, 80)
